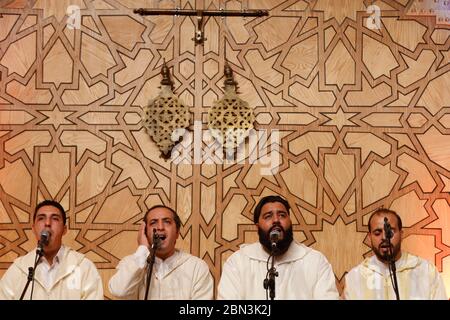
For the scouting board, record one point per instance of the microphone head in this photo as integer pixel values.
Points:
(45, 237)
(275, 235)
(389, 233)
(156, 241)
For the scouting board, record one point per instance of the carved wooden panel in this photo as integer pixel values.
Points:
(362, 115)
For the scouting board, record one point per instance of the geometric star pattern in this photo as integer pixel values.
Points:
(356, 118)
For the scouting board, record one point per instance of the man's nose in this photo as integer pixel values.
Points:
(385, 236)
(276, 218)
(160, 225)
(48, 222)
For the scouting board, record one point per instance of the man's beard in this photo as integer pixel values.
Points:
(384, 257)
(282, 245)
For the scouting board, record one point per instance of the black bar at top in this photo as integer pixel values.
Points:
(206, 13)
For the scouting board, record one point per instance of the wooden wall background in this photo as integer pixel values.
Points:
(364, 117)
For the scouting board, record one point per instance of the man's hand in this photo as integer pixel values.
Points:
(142, 238)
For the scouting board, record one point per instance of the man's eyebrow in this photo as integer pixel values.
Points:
(51, 214)
(271, 211)
(164, 218)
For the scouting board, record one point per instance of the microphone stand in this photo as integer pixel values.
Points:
(393, 269)
(151, 261)
(30, 278)
(269, 282)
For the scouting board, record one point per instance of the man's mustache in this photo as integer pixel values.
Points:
(385, 244)
(277, 226)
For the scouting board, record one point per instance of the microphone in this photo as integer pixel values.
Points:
(275, 236)
(388, 229)
(43, 241)
(156, 241)
(45, 237)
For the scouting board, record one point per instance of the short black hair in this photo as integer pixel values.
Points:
(176, 218)
(52, 203)
(269, 199)
(386, 211)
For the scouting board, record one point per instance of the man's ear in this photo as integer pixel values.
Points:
(65, 229)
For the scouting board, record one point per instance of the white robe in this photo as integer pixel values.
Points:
(417, 279)
(182, 276)
(303, 274)
(77, 278)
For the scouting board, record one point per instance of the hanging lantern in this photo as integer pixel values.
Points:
(230, 118)
(166, 116)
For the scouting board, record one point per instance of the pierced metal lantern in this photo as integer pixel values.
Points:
(166, 116)
(230, 118)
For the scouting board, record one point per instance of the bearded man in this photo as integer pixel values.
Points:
(300, 272)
